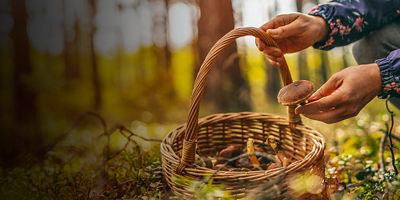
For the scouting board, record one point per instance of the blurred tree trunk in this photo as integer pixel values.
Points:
(324, 66)
(76, 50)
(299, 5)
(24, 95)
(302, 66)
(273, 83)
(160, 26)
(167, 50)
(302, 56)
(226, 86)
(345, 61)
(23, 135)
(93, 57)
(120, 51)
(70, 61)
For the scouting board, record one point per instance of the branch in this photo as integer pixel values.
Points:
(389, 133)
(123, 128)
(75, 124)
(381, 151)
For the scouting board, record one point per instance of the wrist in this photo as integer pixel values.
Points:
(322, 29)
(374, 76)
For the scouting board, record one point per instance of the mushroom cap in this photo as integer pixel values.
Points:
(296, 92)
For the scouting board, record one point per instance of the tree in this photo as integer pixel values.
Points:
(302, 55)
(71, 68)
(93, 57)
(167, 50)
(163, 53)
(24, 95)
(226, 86)
(24, 133)
(76, 42)
(273, 84)
(324, 66)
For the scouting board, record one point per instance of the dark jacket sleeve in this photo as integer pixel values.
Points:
(349, 20)
(390, 74)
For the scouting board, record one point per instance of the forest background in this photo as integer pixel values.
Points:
(71, 70)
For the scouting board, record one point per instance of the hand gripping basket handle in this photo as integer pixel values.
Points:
(189, 143)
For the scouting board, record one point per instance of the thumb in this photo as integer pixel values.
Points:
(285, 31)
(326, 89)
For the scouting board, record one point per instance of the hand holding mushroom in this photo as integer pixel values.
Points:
(344, 94)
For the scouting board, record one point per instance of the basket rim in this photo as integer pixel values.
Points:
(318, 148)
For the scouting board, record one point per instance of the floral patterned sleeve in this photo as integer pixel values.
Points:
(349, 20)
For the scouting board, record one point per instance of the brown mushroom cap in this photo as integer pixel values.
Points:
(296, 92)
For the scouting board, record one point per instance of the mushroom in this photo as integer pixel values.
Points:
(228, 153)
(207, 161)
(243, 162)
(295, 93)
(250, 152)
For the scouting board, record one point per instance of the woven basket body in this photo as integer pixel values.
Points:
(302, 145)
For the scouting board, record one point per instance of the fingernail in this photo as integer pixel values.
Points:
(313, 97)
(272, 31)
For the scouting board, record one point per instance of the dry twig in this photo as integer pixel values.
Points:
(389, 133)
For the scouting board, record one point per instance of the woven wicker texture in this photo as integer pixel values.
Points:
(303, 146)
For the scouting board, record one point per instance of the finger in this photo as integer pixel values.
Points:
(285, 31)
(323, 104)
(274, 63)
(330, 116)
(326, 89)
(273, 51)
(279, 20)
(273, 60)
(260, 45)
(274, 23)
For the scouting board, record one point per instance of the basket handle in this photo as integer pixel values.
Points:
(191, 129)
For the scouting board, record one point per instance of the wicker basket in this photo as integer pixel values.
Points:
(303, 145)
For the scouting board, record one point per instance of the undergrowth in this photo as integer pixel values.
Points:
(354, 170)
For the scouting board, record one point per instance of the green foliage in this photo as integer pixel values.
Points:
(135, 175)
(354, 169)
(362, 179)
(205, 190)
(45, 183)
(129, 175)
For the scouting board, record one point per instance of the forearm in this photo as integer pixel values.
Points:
(350, 20)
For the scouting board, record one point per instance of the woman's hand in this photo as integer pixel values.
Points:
(292, 32)
(344, 94)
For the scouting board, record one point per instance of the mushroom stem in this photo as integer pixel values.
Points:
(250, 152)
(294, 94)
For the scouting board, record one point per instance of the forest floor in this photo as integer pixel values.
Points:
(97, 160)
